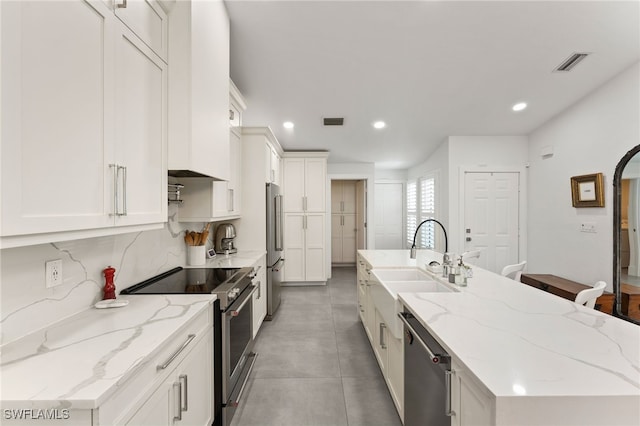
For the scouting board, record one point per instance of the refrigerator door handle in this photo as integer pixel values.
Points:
(279, 223)
(277, 266)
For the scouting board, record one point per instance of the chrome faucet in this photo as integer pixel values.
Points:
(446, 244)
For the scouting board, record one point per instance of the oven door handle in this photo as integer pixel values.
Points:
(236, 312)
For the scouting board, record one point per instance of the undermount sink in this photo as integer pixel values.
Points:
(387, 283)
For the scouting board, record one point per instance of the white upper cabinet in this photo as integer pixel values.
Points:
(83, 145)
(147, 20)
(199, 90)
(304, 182)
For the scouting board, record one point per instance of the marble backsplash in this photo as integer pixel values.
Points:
(26, 305)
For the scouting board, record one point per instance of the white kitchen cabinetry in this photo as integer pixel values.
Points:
(76, 124)
(251, 228)
(472, 403)
(148, 20)
(389, 351)
(273, 161)
(199, 90)
(304, 182)
(304, 187)
(260, 296)
(185, 397)
(206, 200)
(304, 247)
(365, 302)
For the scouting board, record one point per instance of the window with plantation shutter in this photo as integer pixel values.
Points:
(412, 210)
(421, 205)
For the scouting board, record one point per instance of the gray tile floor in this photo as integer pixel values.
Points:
(315, 365)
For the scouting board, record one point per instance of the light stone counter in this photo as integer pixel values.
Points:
(519, 341)
(79, 362)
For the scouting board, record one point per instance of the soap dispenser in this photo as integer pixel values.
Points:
(461, 276)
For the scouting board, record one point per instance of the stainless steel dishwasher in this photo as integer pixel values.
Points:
(427, 377)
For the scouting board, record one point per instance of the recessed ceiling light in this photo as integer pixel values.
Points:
(288, 125)
(379, 124)
(519, 106)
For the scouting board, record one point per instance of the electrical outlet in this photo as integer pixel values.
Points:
(588, 227)
(53, 273)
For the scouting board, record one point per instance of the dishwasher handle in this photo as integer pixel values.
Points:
(435, 358)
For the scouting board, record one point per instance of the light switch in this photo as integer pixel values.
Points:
(588, 227)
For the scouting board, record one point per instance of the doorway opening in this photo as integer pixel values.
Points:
(348, 220)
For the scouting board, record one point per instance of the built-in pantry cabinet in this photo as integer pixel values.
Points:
(84, 120)
(304, 187)
(199, 90)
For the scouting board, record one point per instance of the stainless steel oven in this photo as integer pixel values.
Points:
(233, 325)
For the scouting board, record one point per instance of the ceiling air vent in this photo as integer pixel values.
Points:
(571, 62)
(338, 121)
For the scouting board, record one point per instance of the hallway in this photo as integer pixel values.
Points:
(315, 365)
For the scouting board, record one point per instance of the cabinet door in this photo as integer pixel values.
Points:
(294, 248)
(294, 189)
(349, 240)
(195, 374)
(395, 372)
(275, 167)
(57, 115)
(140, 131)
(235, 184)
(336, 238)
(147, 20)
(315, 236)
(158, 409)
(260, 297)
(380, 337)
(349, 197)
(315, 177)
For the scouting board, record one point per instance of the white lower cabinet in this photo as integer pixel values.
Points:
(260, 296)
(472, 403)
(304, 247)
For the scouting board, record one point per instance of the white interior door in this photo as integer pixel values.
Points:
(389, 213)
(491, 212)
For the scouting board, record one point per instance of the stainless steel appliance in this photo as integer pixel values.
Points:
(427, 377)
(275, 244)
(233, 325)
(225, 235)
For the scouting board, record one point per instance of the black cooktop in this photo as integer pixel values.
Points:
(181, 281)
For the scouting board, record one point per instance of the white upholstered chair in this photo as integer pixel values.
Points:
(588, 296)
(514, 271)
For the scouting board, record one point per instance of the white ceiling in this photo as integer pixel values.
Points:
(428, 69)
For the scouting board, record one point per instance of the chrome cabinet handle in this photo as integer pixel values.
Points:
(178, 416)
(124, 190)
(447, 380)
(259, 290)
(230, 200)
(176, 353)
(382, 344)
(231, 115)
(122, 5)
(114, 168)
(184, 379)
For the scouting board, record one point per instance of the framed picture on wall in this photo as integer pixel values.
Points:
(587, 190)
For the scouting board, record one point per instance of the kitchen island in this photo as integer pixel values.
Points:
(522, 356)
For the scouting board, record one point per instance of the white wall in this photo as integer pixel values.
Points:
(589, 137)
(26, 305)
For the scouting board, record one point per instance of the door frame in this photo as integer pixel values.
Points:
(368, 218)
(522, 202)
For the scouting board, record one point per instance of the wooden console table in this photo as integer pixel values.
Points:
(630, 300)
(566, 289)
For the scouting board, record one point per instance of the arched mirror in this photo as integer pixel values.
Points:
(626, 236)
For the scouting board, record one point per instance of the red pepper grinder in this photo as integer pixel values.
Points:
(109, 286)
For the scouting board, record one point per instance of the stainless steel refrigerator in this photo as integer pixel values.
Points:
(275, 243)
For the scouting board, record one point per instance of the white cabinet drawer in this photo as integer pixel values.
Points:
(147, 20)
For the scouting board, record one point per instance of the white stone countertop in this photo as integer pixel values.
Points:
(518, 340)
(241, 259)
(82, 360)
